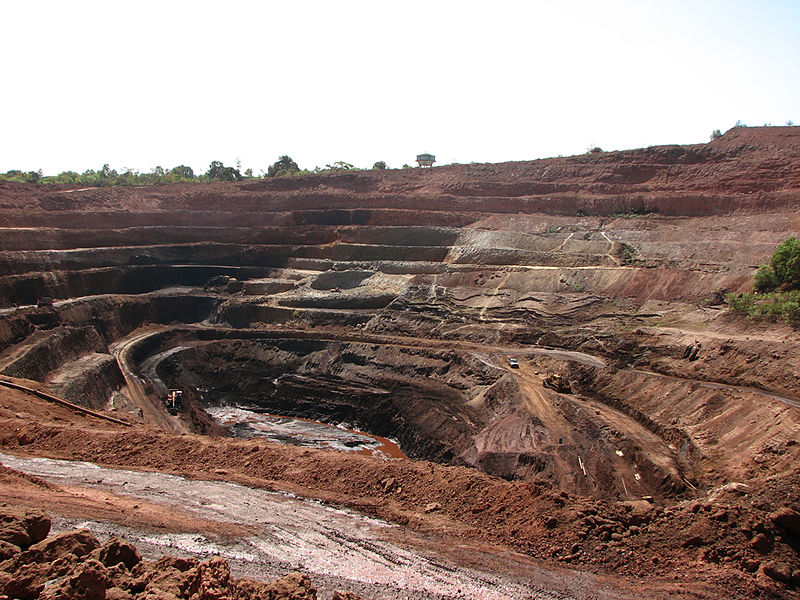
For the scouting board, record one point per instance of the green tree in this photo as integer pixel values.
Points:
(128, 177)
(340, 165)
(716, 134)
(67, 177)
(283, 166)
(783, 271)
(219, 172)
(786, 264)
(182, 172)
(379, 165)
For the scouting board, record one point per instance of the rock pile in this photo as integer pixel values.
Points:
(74, 565)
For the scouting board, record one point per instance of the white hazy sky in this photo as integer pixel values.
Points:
(140, 84)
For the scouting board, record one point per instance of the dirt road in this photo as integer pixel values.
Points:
(152, 410)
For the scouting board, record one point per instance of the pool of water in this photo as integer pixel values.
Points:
(245, 423)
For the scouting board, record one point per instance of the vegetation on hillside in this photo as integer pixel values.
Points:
(776, 287)
(217, 171)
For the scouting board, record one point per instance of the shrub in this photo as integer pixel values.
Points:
(764, 279)
(340, 165)
(783, 271)
(740, 302)
(776, 286)
(786, 264)
(379, 165)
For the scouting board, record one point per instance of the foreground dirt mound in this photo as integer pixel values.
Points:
(74, 565)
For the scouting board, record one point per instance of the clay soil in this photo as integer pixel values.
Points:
(666, 465)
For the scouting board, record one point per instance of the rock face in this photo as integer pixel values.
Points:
(74, 566)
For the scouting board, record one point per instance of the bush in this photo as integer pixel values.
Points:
(764, 280)
(340, 165)
(716, 134)
(379, 165)
(776, 287)
(786, 264)
(783, 271)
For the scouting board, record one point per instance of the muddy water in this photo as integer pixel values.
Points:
(244, 423)
(338, 548)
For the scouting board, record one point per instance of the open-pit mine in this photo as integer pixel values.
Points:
(514, 380)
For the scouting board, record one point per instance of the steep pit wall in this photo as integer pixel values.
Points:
(727, 436)
(444, 405)
(67, 345)
(383, 391)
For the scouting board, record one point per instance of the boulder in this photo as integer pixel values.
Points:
(294, 586)
(750, 565)
(25, 526)
(788, 518)
(761, 543)
(212, 581)
(700, 533)
(174, 562)
(88, 581)
(116, 550)
(79, 542)
(779, 571)
(14, 533)
(8, 550)
(26, 583)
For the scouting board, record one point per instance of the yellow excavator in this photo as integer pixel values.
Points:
(558, 383)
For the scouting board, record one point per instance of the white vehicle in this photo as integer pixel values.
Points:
(513, 363)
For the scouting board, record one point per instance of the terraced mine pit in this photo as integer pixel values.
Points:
(546, 342)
